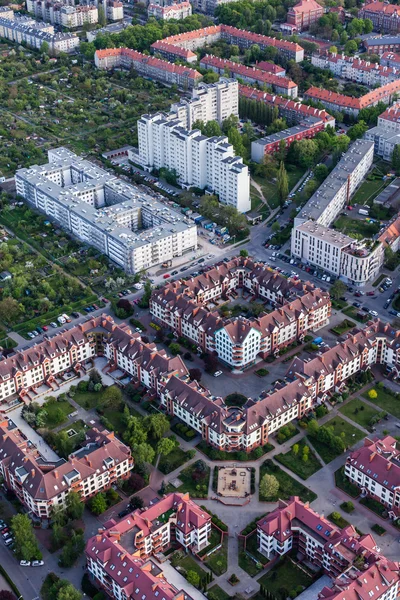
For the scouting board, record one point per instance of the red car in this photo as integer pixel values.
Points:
(349, 207)
(166, 275)
(357, 294)
(370, 293)
(45, 328)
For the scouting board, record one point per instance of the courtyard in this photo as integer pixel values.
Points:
(234, 482)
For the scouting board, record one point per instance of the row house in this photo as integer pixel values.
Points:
(42, 486)
(294, 526)
(174, 518)
(192, 40)
(382, 44)
(375, 469)
(355, 69)
(178, 10)
(385, 17)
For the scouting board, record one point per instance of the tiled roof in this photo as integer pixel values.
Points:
(382, 7)
(356, 103)
(375, 459)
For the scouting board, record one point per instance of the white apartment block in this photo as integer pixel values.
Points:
(177, 11)
(375, 469)
(42, 485)
(26, 30)
(353, 261)
(58, 13)
(198, 161)
(355, 69)
(384, 140)
(209, 102)
(335, 192)
(133, 229)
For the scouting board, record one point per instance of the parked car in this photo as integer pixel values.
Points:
(9, 541)
(166, 276)
(53, 324)
(217, 373)
(37, 563)
(24, 563)
(357, 304)
(75, 314)
(373, 313)
(30, 334)
(45, 328)
(370, 293)
(125, 512)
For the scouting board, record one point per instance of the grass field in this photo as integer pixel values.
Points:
(217, 593)
(367, 191)
(356, 227)
(344, 484)
(173, 460)
(269, 188)
(187, 563)
(287, 485)
(88, 400)
(359, 411)
(284, 578)
(296, 463)
(341, 428)
(386, 401)
(195, 480)
(218, 560)
(54, 416)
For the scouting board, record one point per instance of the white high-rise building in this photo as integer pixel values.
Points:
(166, 140)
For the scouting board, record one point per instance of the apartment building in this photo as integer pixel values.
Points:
(294, 112)
(279, 84)
(301, 16)
(350, 105)
(24, 30)
(42, 485)
(209, 102)
(386, 135)
(390, 59)
(183, 45)
(114, 10)
(375, 469)
(337, 552)
(148, 66)
(198, 161)
(355, 69)
(133, 229)
(117, 557)
(182, 307)
(354, 261)
(270, 67)
(6, 13)
(385, 17)
(177, 11)
(307, 128)
(331, 197)
(382, 44)
(73, 350)
(58, 13)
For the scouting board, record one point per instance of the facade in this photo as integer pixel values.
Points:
(209, 102)
(133, 229)
(117, 556)
(385, 17)
(355, 69)
(305, 129)
(386, 135)
(177, 11)
(58, 13)
(42, 486)
(279, 84)
(33, 34)
(301, 16)
(338, 552)
(356, 262)
(294, 112)
(114, 10)
(375, 469)
(390, 59)
(350, 105)
(182, 307)
(269, 67)
(382, 44)
(148, 66)
(184, 44)
(198, 161)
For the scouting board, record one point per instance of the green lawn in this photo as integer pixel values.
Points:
(195, 480)
(241, 456)
(54, 416)
(386, 401)
(252, 547)
(284, 578)
(218, 560)
(187, 563)
(344, 484)
(341, 428)
(173, 460)
(374, 505)
(343, 327)
(213, 540)
(217, 593)
(367, 191)
(247, 564)
(337, 519)
(296, 463)
(351, 311)
(88, 400)
(287, 485)
(358, 411)
(269, 188)
(116, 418)
(356, 227)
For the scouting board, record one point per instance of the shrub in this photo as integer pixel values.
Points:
(372, 394)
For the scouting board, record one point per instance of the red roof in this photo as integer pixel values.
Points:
(270, 67)
(306, 6)
(382, 7)
(251, 72)
(357, 103)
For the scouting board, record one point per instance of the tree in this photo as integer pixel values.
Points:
(193, 578)
(350, 47)
(306, 452)
(75, 506)
(321, 172)
(282, 183)
(45, 48)
(26, 544)
(143, 453)
(305, 152)
(68, 592)
(136, 502)
(396, 159)
(338, 289)
(269, 486)
(275, 227)
(333, 49)
(372, 394)
(102, 15)
(165, 446)
(244, 253)
(6, 595)
(95, 377)
(157, 425)
(357, 130)
(295, 449)
(195, 374)
(174, 349)
(98, 504)
(368, 26)
(10, 310)
(112, 397)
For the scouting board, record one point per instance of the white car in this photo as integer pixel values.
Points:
(24, 563)
(30, 334)
(138, 286)
(217, 373)
(373, 313)
(37, 563)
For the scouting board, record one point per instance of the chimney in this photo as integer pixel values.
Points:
(89, 462)
(56, 475)
(33, 472)
(372, 456)
(98, 538)
(388, 466)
